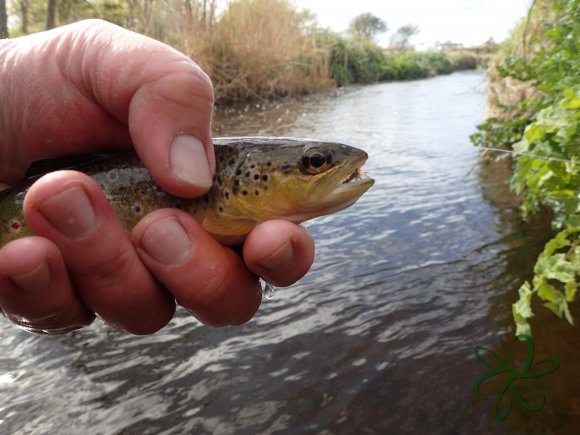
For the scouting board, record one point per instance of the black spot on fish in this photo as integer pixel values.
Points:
(244, 192)
(264, 178)
(256, 177)
(252, 166)
(239, 172)
(221, 209)
(268, 163)
(227, 194)
(248, 174)
(220, 181)
(256, 192)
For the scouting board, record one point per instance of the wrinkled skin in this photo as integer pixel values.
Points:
(91, 86)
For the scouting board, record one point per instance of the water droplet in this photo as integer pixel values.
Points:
(268, 290)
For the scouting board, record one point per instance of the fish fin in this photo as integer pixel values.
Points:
(229, 240)
(228, 230)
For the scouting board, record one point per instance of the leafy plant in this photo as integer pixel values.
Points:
(544, 131)
(555, 280)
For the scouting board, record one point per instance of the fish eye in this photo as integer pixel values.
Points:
(314, 161)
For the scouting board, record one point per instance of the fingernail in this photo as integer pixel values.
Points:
(188, 161)
(70, 212)
(34, 281)
(167, 242)
(280, 259)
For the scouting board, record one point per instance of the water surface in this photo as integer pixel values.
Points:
(377, 338)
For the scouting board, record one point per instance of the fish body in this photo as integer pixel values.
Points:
(257, 179)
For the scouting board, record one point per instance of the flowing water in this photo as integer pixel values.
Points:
(377, 338)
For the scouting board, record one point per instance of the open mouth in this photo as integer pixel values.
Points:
(358, 175)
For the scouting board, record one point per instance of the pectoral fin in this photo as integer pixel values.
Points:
(228, 230)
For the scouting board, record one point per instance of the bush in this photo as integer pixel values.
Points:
(546, 130)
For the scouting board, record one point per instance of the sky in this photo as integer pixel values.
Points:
(470, 22)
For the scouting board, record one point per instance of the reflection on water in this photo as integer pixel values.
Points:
(378, 338)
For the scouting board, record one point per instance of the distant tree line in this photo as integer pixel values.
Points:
(255, 48)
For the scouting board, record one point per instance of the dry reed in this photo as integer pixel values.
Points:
(259, 49)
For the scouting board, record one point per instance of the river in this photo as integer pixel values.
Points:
(377, 338)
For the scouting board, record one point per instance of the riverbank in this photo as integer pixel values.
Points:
(261, 49)
(267, 49)
(534, 109)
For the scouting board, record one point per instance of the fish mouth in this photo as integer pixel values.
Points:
(357, 176)
(349, 188)
(355, 181)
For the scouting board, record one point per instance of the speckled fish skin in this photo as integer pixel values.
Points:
(257, 179)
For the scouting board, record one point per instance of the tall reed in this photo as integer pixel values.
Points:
(259, 49)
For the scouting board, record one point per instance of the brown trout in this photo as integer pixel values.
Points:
(257, 179)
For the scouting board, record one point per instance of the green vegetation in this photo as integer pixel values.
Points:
(254, 49)
(542, 61)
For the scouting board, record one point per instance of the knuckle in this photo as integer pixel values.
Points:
(106, 271)
(208, 301)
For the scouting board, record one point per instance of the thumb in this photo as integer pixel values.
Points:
(170, 122)
(91, 86)
(167, 101)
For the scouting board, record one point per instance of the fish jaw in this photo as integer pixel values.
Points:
(339, 191)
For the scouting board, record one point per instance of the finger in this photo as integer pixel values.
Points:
(169, 121)
(68, 208)
(167, 104)
(110, 82)
(279, 251)
(35, 290)
(207, 279)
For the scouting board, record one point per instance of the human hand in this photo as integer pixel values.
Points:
(90, 86)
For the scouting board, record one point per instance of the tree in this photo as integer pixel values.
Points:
(400, 40)
(3, 20)
(50, 14)
(367, 26)
(24, 16)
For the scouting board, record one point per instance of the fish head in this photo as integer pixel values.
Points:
(297, 180)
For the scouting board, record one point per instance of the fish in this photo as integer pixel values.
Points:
(256, 179)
